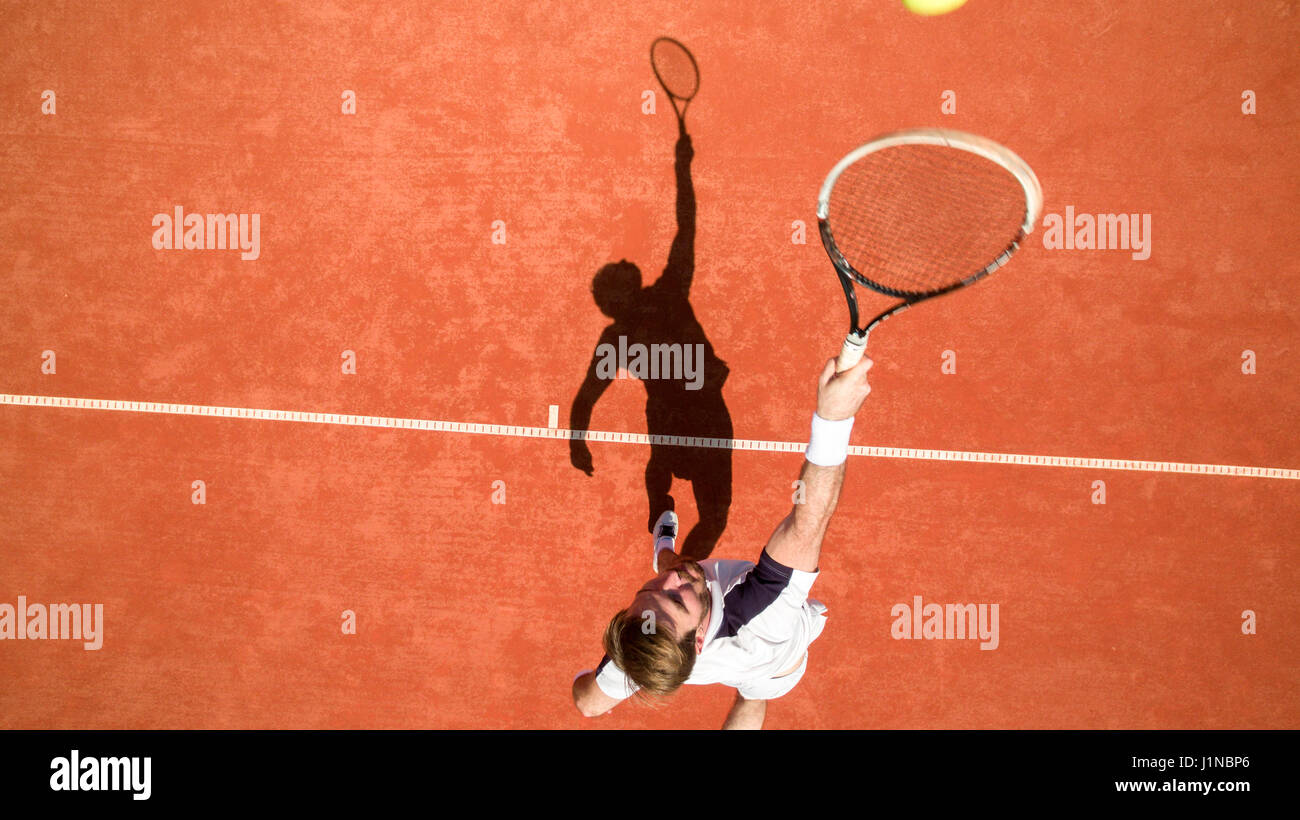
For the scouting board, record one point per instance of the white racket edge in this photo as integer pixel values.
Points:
(960, 140)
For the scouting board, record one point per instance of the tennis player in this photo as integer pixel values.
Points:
(737, 623)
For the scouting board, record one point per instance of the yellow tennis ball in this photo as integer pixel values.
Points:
(932, 7)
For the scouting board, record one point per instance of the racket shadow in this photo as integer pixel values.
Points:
(679, 369)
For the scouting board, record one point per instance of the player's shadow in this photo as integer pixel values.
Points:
(682, 375)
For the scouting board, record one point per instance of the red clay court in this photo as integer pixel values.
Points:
(525, 124)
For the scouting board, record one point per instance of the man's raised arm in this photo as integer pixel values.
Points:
(797, 542)
(680, 269)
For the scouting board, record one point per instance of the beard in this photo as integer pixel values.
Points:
(699, 582)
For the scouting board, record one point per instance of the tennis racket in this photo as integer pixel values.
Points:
(919, 213)
(676, 71)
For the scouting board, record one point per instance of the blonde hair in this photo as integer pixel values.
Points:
(654, 660)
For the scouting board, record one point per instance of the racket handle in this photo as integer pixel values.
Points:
(854, 346)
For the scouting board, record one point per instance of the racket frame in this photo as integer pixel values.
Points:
(855, 342)
(686, 101)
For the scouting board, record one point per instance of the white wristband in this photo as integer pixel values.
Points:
(828, 446)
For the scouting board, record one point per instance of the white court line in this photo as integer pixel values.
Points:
(642, 438)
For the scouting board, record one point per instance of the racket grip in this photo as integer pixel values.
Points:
(854, 346)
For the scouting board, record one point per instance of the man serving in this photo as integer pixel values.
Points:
(745, 625)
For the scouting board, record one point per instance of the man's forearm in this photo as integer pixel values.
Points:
(797, 542)
(591, 702)
(584, 403)
(821, 492)
(580, 416)
(685, 199)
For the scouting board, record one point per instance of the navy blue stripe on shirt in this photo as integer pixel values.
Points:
(746, 600)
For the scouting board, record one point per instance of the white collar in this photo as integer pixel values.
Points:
(715, 610)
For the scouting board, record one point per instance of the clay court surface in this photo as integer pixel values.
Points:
(376, 237)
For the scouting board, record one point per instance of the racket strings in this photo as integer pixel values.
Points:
(675, 69)
(920, 218)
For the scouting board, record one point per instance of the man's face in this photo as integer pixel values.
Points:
(680, 599)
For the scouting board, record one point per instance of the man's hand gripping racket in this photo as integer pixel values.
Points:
(841, 392)
(919, 213)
